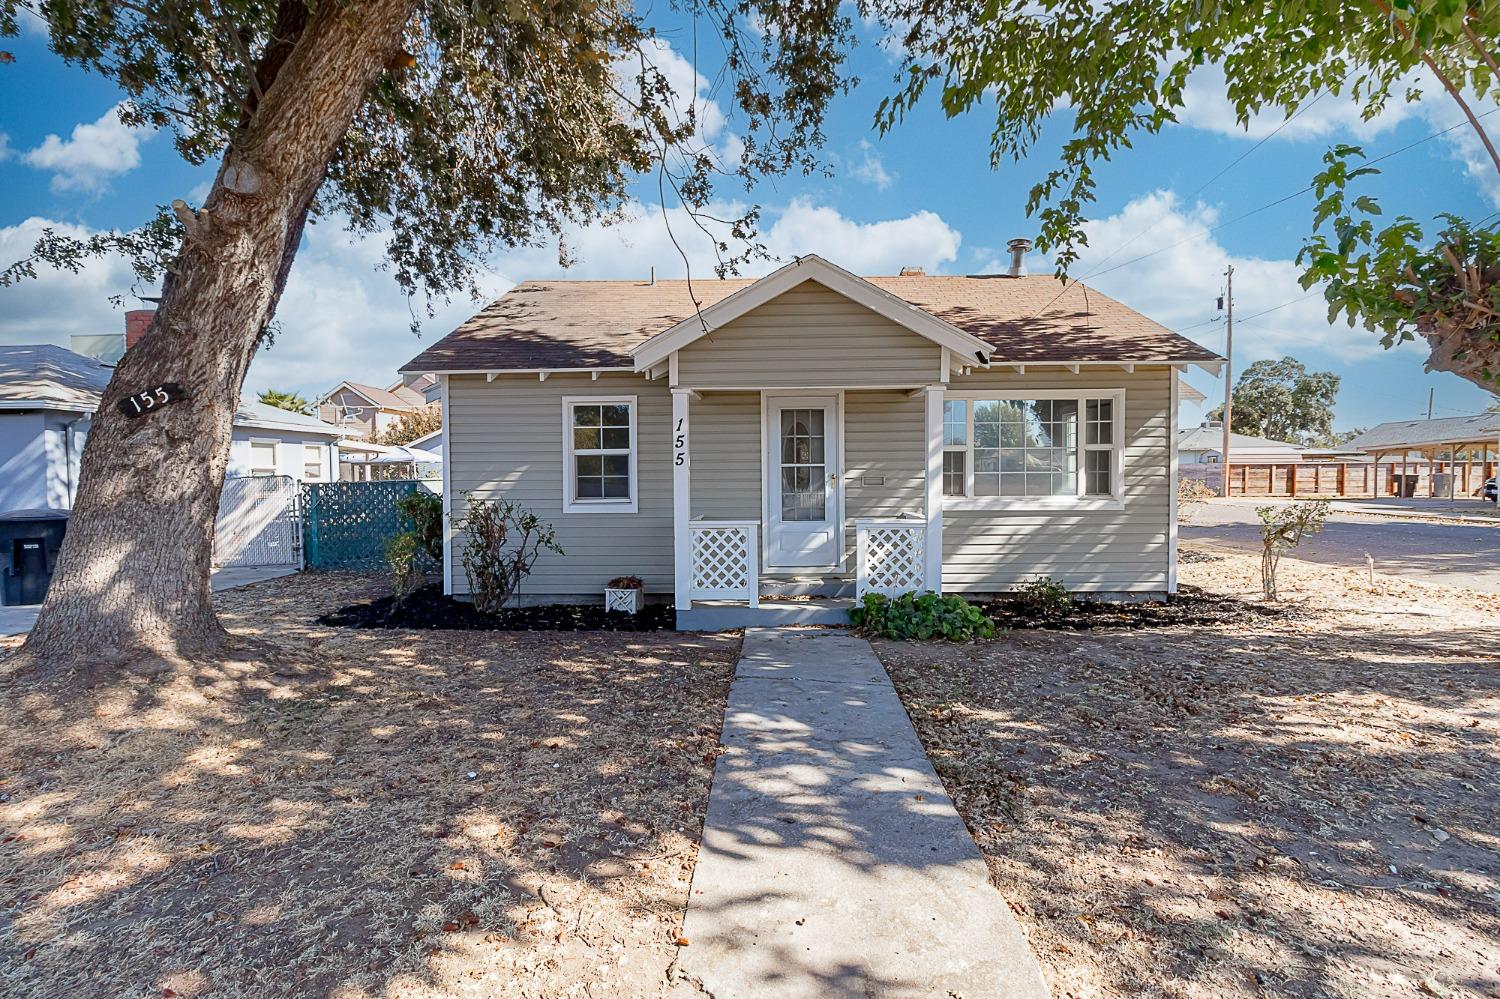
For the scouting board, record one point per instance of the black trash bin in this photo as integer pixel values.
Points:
(29, 542)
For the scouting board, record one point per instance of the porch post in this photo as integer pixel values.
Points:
(934, 506)
(682, 543)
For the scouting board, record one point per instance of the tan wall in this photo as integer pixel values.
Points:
(505, 442)
(1098, 550)
(329, 409)
(809, 337)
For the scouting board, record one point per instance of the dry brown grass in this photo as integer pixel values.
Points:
(241, 830)
(1303, 806)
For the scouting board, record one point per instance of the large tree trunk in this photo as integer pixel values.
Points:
(133, 575)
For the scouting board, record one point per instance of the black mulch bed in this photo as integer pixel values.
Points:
(428, 610)
(1190, 606)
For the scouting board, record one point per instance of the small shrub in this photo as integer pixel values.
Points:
(401, 553)
(502, 542)
(1044, 596)
(1282, 528)
(922, 616)
(424, 511)
(1190, 493)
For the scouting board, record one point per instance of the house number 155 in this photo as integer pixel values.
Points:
(679, 445)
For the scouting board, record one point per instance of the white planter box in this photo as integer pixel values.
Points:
(627, 600)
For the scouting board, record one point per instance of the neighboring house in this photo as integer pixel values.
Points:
(817, 432)
(1411, 442)
(48, 396)
(1204, 445)
(366, 410)
(271, 441)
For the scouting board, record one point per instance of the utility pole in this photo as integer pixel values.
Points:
(1228, 370)
(1430, 393)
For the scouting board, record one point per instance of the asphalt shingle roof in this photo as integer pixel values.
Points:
(1417, 433)
(586, 324)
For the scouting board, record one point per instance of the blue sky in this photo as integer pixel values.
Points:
(922, 195)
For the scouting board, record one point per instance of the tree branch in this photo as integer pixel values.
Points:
(1453, 91)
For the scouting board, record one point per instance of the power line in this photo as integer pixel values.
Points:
(1254, 211)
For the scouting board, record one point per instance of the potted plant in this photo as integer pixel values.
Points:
(624, 593)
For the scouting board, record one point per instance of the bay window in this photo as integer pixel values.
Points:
(599, 454)
(1005, 449)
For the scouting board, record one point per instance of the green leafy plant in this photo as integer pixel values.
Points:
(404, 552)
(1282, 528)
(922, 616)
(406, 570)
(424, 511)
(502, 542)
(1043, 595)
(289, 401)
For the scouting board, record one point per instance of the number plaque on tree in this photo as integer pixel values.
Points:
(142, 402)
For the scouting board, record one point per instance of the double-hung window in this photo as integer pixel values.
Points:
(1022, 450)
(599, 454)
(312, 461)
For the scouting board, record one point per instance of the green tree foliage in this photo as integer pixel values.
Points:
(1120, 70)
(289, 401)
(417, 423)
(1283, 401)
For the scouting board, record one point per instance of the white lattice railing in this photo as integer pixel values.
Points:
(891, 556)
(725, 560)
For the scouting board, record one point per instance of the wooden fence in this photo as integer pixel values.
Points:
(1350, 479)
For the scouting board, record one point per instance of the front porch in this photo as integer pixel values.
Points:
(847, 485)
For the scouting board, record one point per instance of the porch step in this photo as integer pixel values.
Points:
(772, 587)
(716, 615)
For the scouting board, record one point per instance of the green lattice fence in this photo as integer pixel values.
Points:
(345, 525)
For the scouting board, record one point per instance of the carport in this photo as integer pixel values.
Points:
(1413, 442)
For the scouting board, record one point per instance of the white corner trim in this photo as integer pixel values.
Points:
(832, 277)
(571, 505)
(933, 501)
(447, 487)
(682, 503)
(1172, 486)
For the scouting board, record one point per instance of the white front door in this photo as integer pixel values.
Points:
(802, 466)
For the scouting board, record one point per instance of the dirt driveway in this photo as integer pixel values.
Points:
(1304, 806)
(378, 813)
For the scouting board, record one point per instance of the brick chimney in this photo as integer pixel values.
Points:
(137, 322)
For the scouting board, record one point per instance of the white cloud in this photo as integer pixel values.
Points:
(1178, 287)
(94, 152)
(343, 317)
(690, 93)
(1207, 107)
(58, 304)
(871, 169)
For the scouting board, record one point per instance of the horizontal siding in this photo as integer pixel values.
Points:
(725, 443)
(1100, 550)
(808, 337)
(885, 436)
(505, 442)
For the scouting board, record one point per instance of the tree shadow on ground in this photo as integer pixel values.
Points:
(1296, 809)
(376, 812)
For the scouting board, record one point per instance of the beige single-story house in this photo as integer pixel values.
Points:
(812, 433)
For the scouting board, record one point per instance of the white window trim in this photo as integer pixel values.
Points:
(1115, 501)
(275, 446)
(571, 505)
(320, 452)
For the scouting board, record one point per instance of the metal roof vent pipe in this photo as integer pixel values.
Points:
(1018, 250)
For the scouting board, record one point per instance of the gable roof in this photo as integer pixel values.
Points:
(43, 375)
(398, 398)
(1399, 434)
(598, 324)
(811, 268)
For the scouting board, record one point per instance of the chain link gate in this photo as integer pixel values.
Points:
(258, 522)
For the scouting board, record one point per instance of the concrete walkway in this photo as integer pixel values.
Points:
(833, 864)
